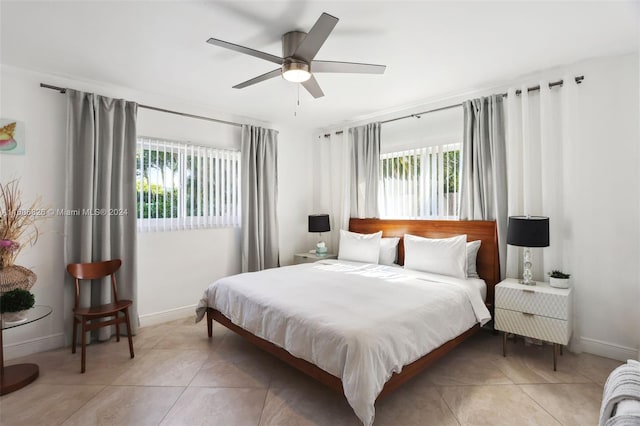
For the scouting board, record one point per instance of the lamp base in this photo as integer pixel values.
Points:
(321, 250)
(527, 276)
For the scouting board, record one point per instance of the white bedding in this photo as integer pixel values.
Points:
(359, 322)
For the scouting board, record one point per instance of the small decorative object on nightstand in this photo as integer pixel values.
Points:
(541, 312)
(559, 279)
(527, 232)
(311, 257)
(319, 223)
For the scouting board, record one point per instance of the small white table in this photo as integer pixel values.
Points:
(311, 257)
(541, 312)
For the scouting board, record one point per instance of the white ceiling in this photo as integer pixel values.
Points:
(430, 48)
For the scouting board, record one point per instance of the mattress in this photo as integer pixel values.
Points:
(359, 322)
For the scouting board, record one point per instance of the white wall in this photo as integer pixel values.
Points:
(41, 173)
(606, 229)
(437, 128)
(294, 191)
(173, 267)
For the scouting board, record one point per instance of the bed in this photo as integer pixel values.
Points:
(329, 320)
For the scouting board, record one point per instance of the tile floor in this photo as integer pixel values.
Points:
(180, 377)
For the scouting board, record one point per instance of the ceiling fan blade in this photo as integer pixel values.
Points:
(247, 51)
(316, 37)
(347, 67)
(266, 76)
(313, 87)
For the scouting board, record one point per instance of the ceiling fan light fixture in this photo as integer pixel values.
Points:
(296, 72)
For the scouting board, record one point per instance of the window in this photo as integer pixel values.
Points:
(421, 183)
(184, 186)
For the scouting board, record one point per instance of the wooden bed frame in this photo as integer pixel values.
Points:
(488, 269)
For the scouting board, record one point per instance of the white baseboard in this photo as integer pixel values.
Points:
(168, 315)
(608, 350)
(32, 346)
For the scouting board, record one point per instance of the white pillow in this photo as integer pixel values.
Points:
(359, 247)
(472, 254)
(446, 256)
(388, 250)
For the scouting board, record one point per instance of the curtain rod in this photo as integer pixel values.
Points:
(168, 111)
(529, 89)
(418, 114)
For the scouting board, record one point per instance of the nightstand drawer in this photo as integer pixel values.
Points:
(311, 257)
(536, 326)
(538, 301)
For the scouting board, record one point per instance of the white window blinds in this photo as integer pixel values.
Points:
(421, 183)
(184, 186)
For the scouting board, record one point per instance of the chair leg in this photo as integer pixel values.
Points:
(84, 345)
(209, 323)
(74, 320)
(117, 329)
(126, 316)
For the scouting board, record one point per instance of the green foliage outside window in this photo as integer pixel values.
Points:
(451, 164)
(158, 201)
(155, 201)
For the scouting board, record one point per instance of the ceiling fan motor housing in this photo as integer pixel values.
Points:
(290, 43)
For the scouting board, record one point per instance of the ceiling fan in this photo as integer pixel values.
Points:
(299, 50)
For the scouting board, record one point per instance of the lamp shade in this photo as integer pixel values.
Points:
(528, 231)
(319, 223)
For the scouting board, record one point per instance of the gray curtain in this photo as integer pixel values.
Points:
(365, 167)
(483, 192)
(259, 184)
(101, 186)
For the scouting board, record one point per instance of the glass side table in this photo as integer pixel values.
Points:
(14, 377)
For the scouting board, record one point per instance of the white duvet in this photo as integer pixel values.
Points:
(359, 322)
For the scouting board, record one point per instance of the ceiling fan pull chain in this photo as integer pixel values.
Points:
(295, 110)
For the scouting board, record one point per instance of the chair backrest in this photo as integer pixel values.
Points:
(93, 271)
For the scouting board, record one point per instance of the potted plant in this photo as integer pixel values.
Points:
(14, 305)
(559, 279)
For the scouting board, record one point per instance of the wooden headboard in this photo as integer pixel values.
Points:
(488, 262)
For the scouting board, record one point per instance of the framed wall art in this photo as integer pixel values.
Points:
(12, 139)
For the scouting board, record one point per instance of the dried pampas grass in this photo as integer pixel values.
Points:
(17, 221)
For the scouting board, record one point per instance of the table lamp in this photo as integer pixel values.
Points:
(527, 232)
(319, 223)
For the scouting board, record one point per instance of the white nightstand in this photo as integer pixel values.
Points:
(311, 257)
(539, 311)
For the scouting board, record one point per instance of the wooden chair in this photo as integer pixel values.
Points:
(86, 316)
